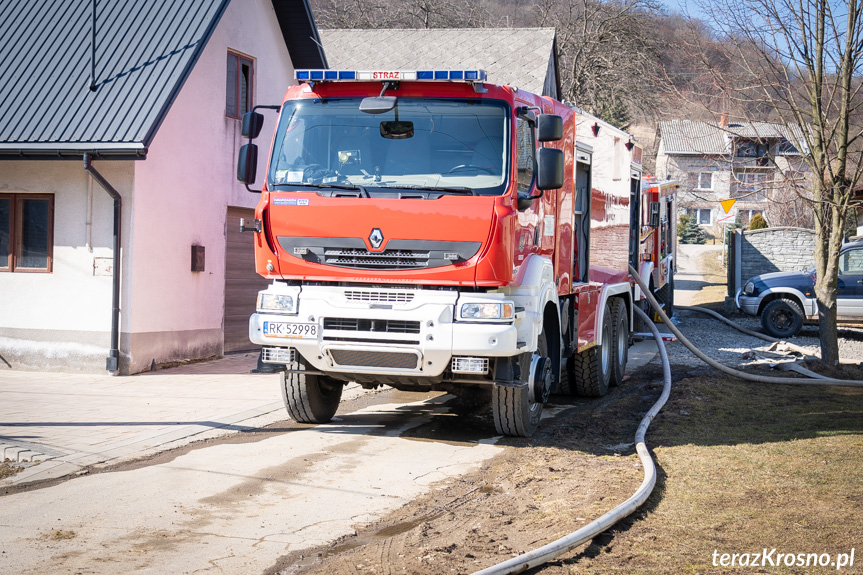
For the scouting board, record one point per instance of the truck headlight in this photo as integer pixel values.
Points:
(486, 311)
(749, 288)
(279, 303)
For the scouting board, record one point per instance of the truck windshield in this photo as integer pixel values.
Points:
(446, 144)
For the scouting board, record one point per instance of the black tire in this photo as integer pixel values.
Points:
(591, 369)
(565, 386)
(782, 318)
(310, 398)
(619, 341)
(514, 413)
(666, 296)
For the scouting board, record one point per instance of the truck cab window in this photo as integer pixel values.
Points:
(423, 143)
(525, 153)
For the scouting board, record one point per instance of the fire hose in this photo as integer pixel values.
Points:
(556, 548)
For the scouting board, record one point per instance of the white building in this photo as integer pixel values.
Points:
(757, 164)
(152, 111)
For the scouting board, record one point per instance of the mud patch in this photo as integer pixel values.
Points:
(538, 489)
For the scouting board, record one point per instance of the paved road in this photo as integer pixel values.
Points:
(234, 505)
(71, 421)
(689, 280)
(235, 508)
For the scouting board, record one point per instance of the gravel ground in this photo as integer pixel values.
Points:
(727, 345)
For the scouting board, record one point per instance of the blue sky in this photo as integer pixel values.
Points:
(683, 6)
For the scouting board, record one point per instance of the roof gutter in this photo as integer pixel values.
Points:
(71, 152)
(112, 362)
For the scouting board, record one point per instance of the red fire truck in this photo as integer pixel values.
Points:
(657, 260)
(428, 230)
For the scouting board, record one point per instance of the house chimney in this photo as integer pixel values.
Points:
(723, 120)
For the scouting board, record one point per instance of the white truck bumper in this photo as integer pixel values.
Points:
(382, 330)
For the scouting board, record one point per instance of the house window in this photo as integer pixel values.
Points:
(26, 232)
(750, 149)
(786, 148)
(705, 181)
(750, 186)
(241, 74)
(701, 215)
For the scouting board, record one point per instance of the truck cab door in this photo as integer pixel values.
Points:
(634, 218)
(581, 207)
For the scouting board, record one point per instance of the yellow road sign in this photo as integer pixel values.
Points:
(727, 204)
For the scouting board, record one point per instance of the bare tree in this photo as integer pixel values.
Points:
(798, 61)
(606, 49)
(376, 14)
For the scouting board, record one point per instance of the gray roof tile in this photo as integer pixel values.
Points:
(693, 137)
(689, 137)
(513, 56)
(144, 51)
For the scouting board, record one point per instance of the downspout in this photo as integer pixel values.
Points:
(112, 362)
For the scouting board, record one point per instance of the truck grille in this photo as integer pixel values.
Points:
(398, 255)
(393, 360)
(371, 325)
(387, 259)
(379, 296)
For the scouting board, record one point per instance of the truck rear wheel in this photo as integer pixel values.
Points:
(620, 339)
(590, 371)
(516, 412)
(310, 398)
(665, 295)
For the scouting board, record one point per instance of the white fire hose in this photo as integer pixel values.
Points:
(554, 549)
(724, 368)
(597, 526)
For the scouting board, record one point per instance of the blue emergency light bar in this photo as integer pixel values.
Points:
(392, 75)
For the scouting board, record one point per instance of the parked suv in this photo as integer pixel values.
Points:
(786, 300)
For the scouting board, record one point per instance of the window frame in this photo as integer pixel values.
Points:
(698, 184)
(696, 213)
(15, 233)
(240, 58)
(748, 148)
(751, 186)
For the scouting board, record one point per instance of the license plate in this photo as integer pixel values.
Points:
(290, 330)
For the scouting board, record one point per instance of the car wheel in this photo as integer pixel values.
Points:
(782, 318)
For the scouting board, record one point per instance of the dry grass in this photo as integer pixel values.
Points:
(747, 468)
(7, 469)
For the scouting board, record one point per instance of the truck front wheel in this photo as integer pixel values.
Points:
(517, 410)
(310, 398)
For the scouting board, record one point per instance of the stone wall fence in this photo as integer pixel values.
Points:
(754, 252)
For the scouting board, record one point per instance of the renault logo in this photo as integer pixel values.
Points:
(376, 238)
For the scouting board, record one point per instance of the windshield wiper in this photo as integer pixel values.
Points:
(363, 192)
(449, 189)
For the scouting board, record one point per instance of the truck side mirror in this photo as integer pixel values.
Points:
(252, 124)
(549, 168)
(247, 163)
(549, 128)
